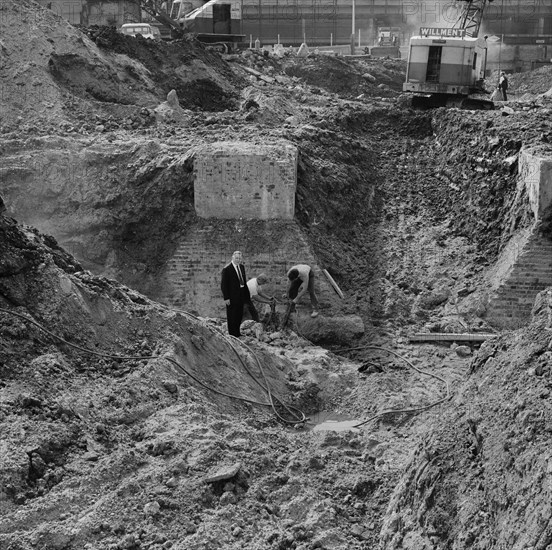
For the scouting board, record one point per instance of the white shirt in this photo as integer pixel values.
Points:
(253, 286)
(239, 273)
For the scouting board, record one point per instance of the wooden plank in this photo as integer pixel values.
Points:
(252, 71)
(333, 283)
(451, 337)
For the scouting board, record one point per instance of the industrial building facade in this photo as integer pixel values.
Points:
(321, 22)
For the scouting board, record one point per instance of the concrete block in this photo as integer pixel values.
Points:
(244, 180)
(535, 173)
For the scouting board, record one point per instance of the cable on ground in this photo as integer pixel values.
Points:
(402, 411)
(300, 418)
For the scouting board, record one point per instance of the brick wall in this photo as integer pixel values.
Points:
(529, 272)
(192, 278)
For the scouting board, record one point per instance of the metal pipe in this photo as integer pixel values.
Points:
(353, 28)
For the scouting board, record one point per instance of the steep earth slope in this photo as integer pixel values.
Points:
(481, 478)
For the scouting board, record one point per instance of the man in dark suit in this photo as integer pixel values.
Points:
(235, 292)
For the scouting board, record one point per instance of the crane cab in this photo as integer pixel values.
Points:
(452, 65)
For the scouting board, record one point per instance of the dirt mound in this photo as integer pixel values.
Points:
(201, 79)
(348, 78)
(532, 82)
(54, 74)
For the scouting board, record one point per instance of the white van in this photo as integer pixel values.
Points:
(134, 29)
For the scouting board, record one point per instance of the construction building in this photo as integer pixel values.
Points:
(520, 31)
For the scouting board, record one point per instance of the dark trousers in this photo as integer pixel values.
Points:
(296, 285)
(252, 311)
(234, 315)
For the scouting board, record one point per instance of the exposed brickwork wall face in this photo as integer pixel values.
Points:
(510, 306)
(192, 278)
(535, 173)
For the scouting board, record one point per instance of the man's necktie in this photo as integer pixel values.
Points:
(239, 275)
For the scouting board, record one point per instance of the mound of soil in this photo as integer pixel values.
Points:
(54, 74)
(533, 82)
(348, 78)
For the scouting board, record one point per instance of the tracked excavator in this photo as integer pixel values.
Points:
(446, 66)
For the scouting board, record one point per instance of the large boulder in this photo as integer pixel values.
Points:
(343, 330)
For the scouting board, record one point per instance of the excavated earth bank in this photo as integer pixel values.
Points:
(408, 210)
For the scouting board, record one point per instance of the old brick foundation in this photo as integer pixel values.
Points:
(525, 266)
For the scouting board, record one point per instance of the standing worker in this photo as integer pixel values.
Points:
(503, 85)
(301, 276)
(235, 292)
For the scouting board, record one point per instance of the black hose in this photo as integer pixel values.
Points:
(299, 420)
(230, 339)
(403, 411)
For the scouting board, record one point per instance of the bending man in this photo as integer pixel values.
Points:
(255, 289)
(257, 295)
(301, 279)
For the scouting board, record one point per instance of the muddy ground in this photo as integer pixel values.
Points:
(157, 431)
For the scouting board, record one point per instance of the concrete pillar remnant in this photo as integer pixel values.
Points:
(244, 180)
(535, 173)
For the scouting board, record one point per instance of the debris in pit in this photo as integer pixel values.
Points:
(337, 426)
(227, 472)
(369, 368)
(450, 337)
(229, 483)
(152, 508)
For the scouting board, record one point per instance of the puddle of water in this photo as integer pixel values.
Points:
(337, 426)
(331, 421)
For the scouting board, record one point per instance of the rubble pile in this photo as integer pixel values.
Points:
(533, 84)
